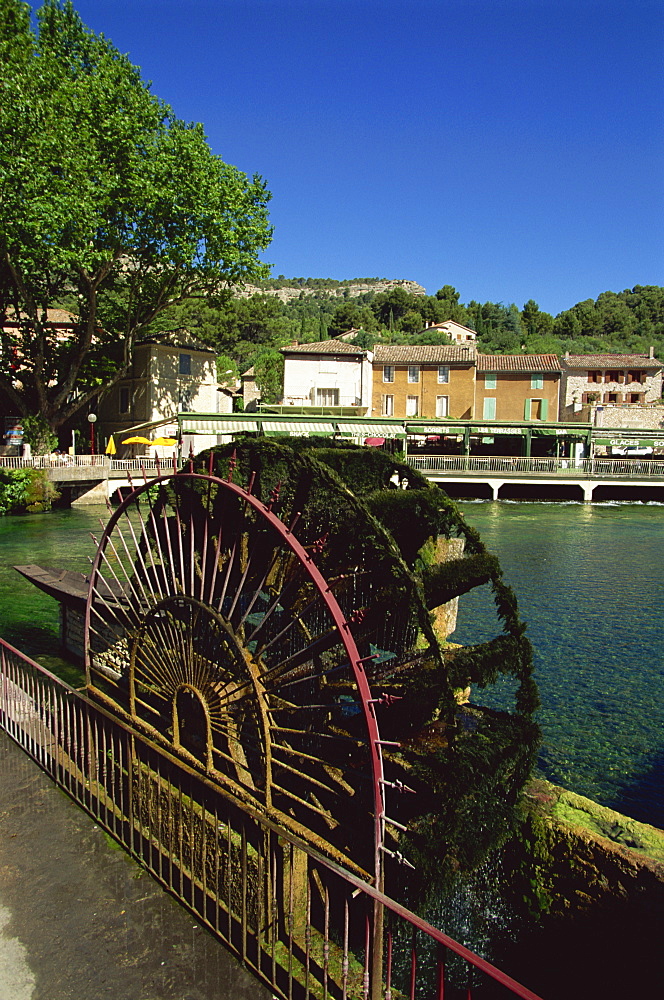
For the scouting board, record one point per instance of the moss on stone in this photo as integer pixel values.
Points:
(585, 814)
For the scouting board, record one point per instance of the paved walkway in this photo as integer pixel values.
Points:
(80, 921)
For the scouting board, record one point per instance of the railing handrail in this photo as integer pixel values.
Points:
(567, 467)
(416, 922)
(53, 461)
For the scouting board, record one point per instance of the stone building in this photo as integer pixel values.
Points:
(590, 380)
(170, 373)
(457, 332)
(251, 394)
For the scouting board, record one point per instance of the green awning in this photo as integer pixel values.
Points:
(493, 431)
(559, 432)
(432, 429)
(629, 442)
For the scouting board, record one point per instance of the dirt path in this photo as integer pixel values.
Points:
(80, 921)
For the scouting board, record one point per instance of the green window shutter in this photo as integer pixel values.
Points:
(526, 412)
(544, 409)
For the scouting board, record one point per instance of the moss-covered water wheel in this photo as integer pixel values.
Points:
(378, 529)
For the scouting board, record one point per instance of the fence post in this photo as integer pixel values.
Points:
(377, 951)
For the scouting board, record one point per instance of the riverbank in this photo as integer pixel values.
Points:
(593, 883)
(79, 920)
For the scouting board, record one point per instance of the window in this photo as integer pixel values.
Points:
(388, 373)
(124, 399)
(185, 400)
(489, 408)
(327, 397)
(387, 406)
(536, 381)
(489, 381)
(442, 406)
(594, 377)
(635, 397)
(612, 376)
(443, 374)
(612, 397)
(413, 373)
(185, 364)
(636, 376)
(412, 406)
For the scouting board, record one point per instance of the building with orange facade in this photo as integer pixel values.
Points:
(423, 381)
(517, 387)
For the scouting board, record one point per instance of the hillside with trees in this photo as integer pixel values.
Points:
(249, 331)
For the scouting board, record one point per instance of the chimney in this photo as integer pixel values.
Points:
(651, 353)
(566, 355)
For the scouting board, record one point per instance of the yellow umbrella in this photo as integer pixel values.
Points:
(110, 447)
(136, 440)
(166, 442)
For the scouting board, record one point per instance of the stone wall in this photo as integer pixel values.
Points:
(635, 417)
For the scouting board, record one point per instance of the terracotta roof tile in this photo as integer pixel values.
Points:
(423, 354)
(323, 347)
(518, 363)
(610, 361)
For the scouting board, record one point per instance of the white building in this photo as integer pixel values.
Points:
(457, 333)
(329, 373)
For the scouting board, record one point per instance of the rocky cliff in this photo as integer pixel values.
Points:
(349, 289)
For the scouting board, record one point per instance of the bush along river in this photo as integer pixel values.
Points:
(590, 584)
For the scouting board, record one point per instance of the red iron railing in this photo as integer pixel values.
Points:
(305, 926)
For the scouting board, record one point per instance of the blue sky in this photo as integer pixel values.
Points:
(511, 148)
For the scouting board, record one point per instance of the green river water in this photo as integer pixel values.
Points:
(590, 583)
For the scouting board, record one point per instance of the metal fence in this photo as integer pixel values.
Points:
(565, 468)
(54, 461)
(306, 927)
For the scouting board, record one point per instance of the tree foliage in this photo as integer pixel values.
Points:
(107, 201)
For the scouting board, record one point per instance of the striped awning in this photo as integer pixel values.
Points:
(371, 430)
(190, 425)
(293, 428)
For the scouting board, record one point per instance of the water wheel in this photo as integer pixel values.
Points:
(210, 626)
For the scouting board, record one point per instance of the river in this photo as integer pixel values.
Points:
(590, 583)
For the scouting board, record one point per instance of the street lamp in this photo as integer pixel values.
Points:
(92, 420)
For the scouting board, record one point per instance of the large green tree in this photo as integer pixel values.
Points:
(108, 203)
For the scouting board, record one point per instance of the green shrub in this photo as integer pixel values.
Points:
(25, 490)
